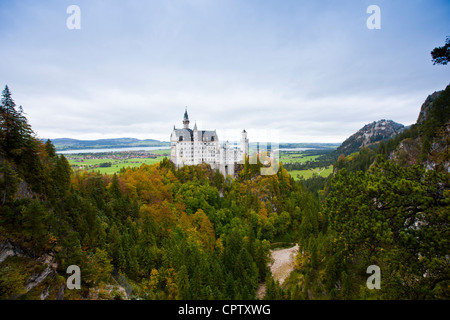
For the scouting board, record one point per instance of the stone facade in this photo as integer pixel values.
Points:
(193, 146)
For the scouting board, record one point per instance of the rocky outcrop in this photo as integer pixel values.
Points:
(7, 249)
(429, 146)
(36, 270)
(369, 135)
(427, 106)
(439, 156)
(50, 270)
(39, 278)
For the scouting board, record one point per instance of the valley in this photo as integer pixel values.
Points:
(112, 162)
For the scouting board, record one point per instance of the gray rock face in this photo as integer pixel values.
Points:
(370, 134)
(426, 106)
(9, 249)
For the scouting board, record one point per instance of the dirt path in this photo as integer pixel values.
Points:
(283, 264)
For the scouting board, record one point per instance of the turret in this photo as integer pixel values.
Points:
(244, 142)
(186, 120)
(196, 135)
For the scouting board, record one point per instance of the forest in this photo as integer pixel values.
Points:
(192, 233)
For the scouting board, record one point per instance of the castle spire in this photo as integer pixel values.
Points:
(186, 120)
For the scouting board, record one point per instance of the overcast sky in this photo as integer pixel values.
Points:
(310, 69)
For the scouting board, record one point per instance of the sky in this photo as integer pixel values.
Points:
(312, 71)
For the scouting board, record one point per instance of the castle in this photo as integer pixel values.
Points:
(193, 146)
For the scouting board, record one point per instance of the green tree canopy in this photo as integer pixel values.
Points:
(441, 55)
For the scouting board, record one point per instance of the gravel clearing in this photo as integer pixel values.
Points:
(281, 267)
(283, 263)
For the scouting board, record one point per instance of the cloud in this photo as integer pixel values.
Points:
(311, 70)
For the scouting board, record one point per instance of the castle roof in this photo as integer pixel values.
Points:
(188, 135)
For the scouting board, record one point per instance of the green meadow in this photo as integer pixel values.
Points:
(303, 157)
(100, 163)
(300, 157)
(308, 173)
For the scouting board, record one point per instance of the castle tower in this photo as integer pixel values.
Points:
(186, 120)
(197, 145)
(244, 142)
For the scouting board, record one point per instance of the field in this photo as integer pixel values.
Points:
(308, 173)
(302, 157)
(112, 162)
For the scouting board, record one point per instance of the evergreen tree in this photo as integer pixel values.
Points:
(50, 149)
(61, 175)
(14, 129)
(441, 55)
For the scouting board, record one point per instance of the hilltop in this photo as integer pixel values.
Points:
(370, 135)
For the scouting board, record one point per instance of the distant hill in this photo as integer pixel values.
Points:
(370, 135)
(62, 144)
(425, 143)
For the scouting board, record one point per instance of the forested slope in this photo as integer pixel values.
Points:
(388, 207)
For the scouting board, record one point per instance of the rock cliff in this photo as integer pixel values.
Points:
(369, 135)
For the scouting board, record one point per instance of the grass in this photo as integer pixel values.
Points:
(301, 157)
(83, 162)
(116, 165)
(292, 157)
(323, 172)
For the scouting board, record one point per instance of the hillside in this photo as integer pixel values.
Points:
(386, 207)
(425, 110)
(370, 135)
(427, 141)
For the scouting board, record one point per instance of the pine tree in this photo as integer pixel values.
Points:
(15, 132)
(61, 176)
(50, 149)
(114, 188)
(9, 181)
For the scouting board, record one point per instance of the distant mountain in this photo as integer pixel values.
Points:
(370, 135)
(62, 144)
